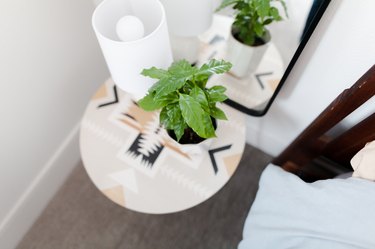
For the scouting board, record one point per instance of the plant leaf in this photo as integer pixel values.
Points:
(262, 7)
(166, 86)
(178, 73)
(148, 103)
(216, 94)
(151, 102)
(218, 113)
(226, 3)
(284, 7)
(174, 114)
(171, 118)
(267, 21)
(198, 94)
(258, 28)
(179, 130)
(195, 117)
(166, 99)
(182, 68)
(214, 67)
(164, 119)
(155, 73)
(274, 12)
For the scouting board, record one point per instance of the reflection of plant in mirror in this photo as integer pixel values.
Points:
(252, 16)
(183, 98)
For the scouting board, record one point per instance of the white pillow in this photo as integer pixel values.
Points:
(289, 213)
(363, 162)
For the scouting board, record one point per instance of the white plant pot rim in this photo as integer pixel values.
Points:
(268, 39)
(193, 149)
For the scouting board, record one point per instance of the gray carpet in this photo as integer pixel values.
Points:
(79, 216)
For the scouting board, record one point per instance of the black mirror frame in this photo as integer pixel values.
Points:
(310, 29)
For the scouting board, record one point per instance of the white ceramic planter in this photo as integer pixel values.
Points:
(245, 59)
(126, 60)
(196, 152)
(196, 149)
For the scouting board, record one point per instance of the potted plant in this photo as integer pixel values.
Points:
(249, 36)
(188, 108)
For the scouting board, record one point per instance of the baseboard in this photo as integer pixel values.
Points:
(33, 201)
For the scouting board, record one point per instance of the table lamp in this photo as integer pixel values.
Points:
(133, 35)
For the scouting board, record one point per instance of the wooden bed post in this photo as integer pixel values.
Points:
(313, 142)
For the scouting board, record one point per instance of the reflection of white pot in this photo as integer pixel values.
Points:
(245, 58)
(185, 48)
(186, 20)
(126, 60)
(188, 17)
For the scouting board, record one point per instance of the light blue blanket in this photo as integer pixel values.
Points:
(289, 213)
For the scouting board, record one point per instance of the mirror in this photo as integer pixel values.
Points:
(254, 93)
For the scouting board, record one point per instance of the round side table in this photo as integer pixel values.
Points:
(131, 161)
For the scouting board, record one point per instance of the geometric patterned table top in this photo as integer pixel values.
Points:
(132, 161)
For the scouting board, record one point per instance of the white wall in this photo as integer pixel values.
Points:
(50, 64)
(341, 49)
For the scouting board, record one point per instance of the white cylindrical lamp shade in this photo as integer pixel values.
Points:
(188, 17)
(126, 60)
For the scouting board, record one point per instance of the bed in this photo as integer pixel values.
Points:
(301, 203)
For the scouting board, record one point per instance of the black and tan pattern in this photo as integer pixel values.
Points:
(112, 102)
(133, 162)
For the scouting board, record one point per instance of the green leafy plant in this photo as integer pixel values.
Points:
(252, 17)
(183, 98)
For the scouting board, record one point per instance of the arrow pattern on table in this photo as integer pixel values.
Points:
(258, 77)
(115, 101)
(212, 156)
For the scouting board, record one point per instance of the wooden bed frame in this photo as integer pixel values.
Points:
(314, 143)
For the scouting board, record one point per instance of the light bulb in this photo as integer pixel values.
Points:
(130, 28)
